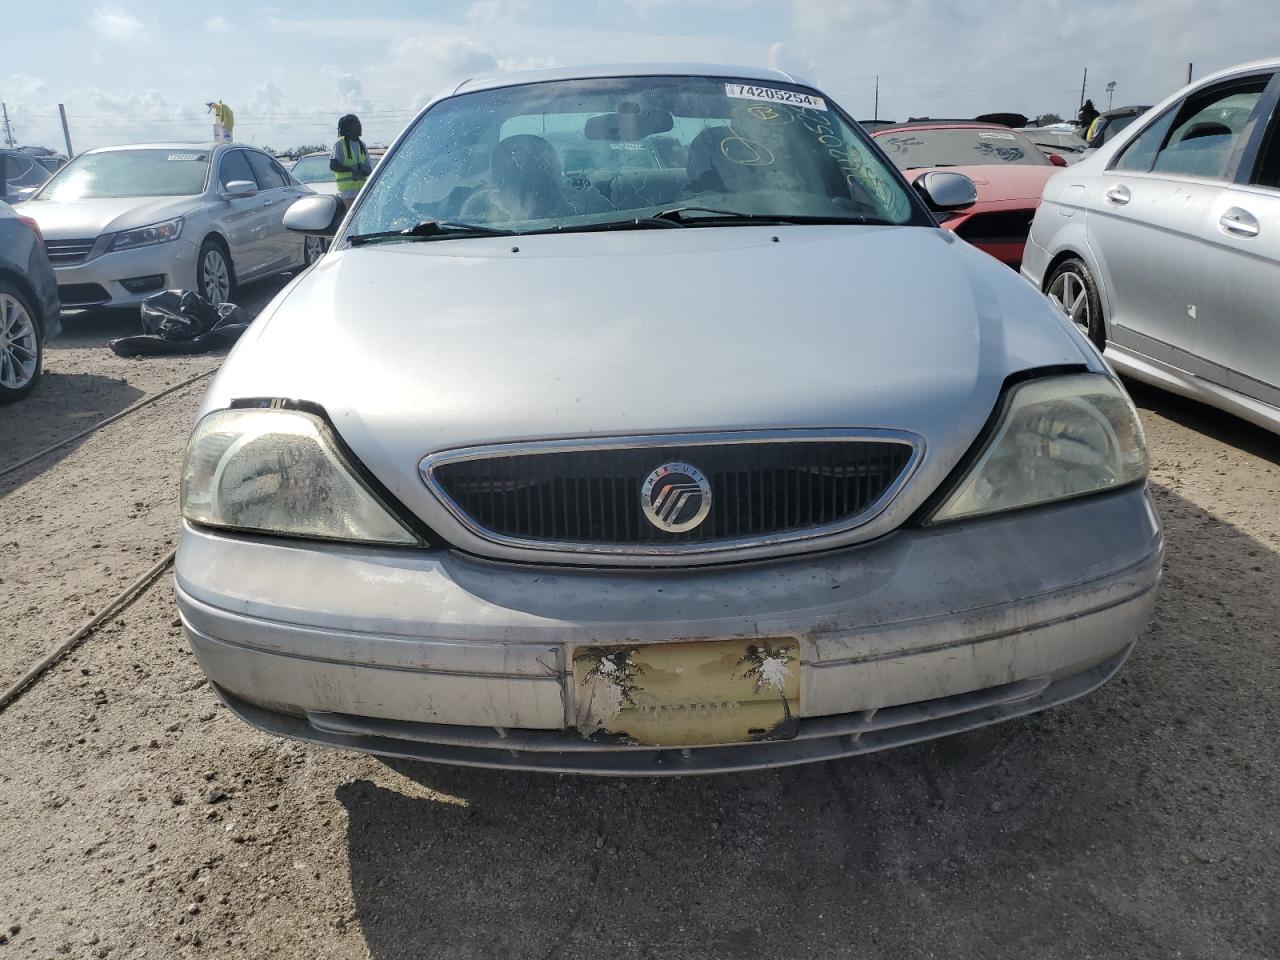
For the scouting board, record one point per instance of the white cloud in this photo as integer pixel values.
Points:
(26, 85)
(218, 24)
(116, 24)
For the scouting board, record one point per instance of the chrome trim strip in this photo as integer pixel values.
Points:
(429, 463)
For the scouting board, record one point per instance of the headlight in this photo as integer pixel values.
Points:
(146, 236)
(1059, 437)
(281, 472)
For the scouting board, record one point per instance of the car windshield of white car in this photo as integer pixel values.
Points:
(912, 148)
(313, 170)
(149, 172)
(571, 154)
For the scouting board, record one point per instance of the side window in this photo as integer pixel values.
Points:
(1267, 172)
(267, 172)
(234, 166)
(283, 174)
(1208, 128)
(1141, 152)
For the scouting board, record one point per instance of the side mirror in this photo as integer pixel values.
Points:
(946, 191)
(239, 189)
(316, 216)
(1057, 159)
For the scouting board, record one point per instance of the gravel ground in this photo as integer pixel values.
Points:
(139, 819)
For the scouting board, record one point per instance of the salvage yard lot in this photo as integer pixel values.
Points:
(138, 819)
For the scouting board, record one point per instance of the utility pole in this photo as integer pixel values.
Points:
(1189, 66)
(1083, 83)
(877, 110)
(66, 131)
(8, 130)
(1111, 89)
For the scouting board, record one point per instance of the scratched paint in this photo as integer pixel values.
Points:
(686, 694)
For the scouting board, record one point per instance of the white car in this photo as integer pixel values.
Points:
(313, 170)
(1163, 247)
(122, 223)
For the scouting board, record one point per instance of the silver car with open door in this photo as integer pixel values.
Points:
(1164, 247)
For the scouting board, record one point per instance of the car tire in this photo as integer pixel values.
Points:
(313, 248)
(215, 273)
(21, 344)
(1073, 290)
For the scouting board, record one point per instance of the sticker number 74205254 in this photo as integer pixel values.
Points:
(745, 91)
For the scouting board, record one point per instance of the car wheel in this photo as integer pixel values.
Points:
(313, 249)
(1074, 291)
(21, 351)
(215, 277)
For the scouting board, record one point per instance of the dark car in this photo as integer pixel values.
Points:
(21, 175)
(28, 304)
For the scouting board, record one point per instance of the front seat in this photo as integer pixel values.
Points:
(526, 177)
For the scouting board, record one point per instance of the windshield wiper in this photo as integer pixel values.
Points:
(430, 230)
(716, 216)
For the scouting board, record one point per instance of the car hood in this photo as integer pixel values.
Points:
(413, 348)
(81, 219)
(1005, 182)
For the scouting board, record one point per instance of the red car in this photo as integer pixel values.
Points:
(1008, 169)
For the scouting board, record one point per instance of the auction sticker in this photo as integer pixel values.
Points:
(745, 91)
(990, 135)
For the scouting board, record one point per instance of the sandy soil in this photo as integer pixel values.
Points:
(138, 819)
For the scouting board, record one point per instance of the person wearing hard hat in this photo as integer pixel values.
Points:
(349, 160)
(223, 121)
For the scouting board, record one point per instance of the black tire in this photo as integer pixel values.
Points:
(21, 336)
(1073, 290)
(203, 279)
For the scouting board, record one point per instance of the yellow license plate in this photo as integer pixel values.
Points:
(689, 693)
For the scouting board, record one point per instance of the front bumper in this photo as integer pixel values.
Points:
(442, 657)
(98, 282)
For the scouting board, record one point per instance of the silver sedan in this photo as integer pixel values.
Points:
(122, 223)
(642, 420)
(1164, 246)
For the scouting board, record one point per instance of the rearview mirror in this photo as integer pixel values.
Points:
(946, 191)
(318, 216)
(239, 189)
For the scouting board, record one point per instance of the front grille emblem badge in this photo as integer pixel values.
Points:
(676, 497)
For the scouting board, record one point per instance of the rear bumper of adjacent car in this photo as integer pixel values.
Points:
(441, 657)
(102, 280)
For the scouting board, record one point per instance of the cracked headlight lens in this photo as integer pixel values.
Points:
(280, 472)
(1059, 437)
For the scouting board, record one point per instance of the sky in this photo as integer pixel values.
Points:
(134, 70)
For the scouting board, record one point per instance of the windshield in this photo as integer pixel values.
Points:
(958, 147)
(150, 172)
(312, 170)
(571, 153)
(1057, 138)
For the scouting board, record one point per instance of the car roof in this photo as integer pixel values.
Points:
(624, 70)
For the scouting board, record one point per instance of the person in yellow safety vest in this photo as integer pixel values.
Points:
(349, 159)
(223, 121)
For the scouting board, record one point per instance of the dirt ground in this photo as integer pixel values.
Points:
(138, 819)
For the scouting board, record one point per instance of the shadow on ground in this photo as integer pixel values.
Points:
(61, 405)
(1207, 420)
(1139, 821)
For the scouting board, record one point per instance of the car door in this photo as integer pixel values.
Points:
(245, 220)
(1148, 216)
(281, 248)
(1238, 332)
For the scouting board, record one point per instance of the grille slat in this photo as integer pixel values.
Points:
(64, 253)
(591, 497)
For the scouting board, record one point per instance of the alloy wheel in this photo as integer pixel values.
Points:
(312, 250)
(217, 276)
(1070, 295)
(19, 349)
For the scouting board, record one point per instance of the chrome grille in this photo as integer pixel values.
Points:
(66, 253)
(567, 496)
